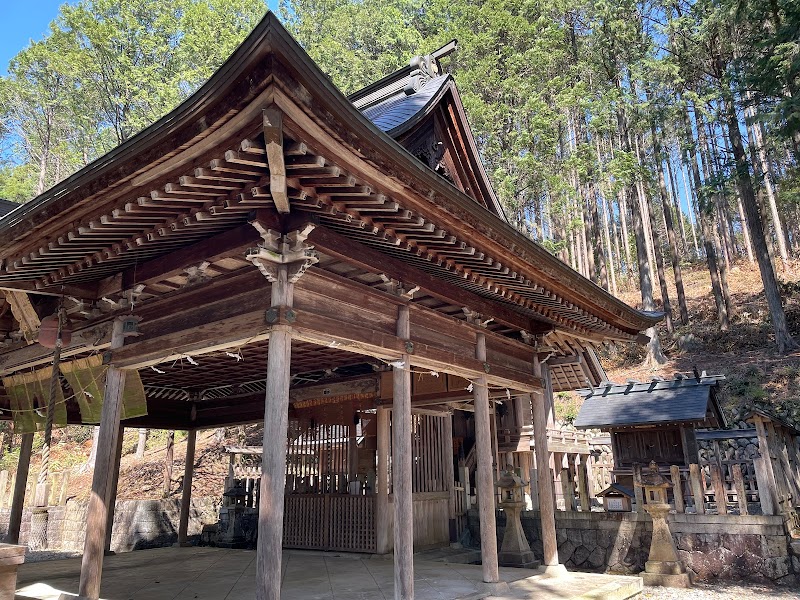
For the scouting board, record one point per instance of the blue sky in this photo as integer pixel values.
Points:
(21, 22)
(30, 19)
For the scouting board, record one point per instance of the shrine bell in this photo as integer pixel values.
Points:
(48, 331)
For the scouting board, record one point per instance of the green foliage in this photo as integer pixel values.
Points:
(104, 71)
(567, 406)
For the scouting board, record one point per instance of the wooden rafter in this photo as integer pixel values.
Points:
(273, 138)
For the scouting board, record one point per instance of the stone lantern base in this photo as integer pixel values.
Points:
(663, 566)
(515, 550)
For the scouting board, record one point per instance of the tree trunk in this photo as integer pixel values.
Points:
(708, 236)
(142, 444)
(783, 339)
(719, 246)
(759, 153)
(93, 452)
(673, 242)
(691, 205)
(676, 202)
(654, 352)
(168, 462)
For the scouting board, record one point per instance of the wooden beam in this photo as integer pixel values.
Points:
(24, 313)
(273, 137)
(232, 243)
(373, 261)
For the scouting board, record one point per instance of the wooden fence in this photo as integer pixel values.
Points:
(59, 487)
(341, 522)
(719, 487)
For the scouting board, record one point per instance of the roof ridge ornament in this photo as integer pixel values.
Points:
(423, 69)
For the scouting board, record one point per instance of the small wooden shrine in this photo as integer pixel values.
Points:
(654, 421)
(338, 268)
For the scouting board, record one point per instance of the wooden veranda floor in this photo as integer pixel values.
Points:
(217, 574)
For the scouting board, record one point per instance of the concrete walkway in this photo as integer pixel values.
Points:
(217, 574)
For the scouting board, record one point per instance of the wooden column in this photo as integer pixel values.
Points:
(273, 464)
(113, 482)
(186, 492)
(20, 484)
(383, 524)
(401, 469)
(484, 477)
(547, 508)
(97, 512)
(771, 488)
(168, 463)
(449, 471)
(583, 482)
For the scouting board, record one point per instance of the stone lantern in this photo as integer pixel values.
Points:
(231, 532)
(663, 567)
(515, 550)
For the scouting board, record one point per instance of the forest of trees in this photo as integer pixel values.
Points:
(629, 138)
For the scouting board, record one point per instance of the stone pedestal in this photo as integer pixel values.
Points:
(663, 566)
(11, 556)
(515, 550)
(230, 530)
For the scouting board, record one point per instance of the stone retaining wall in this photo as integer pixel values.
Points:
(137, 523)
(713, 547)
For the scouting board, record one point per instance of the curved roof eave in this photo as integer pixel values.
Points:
(269, 38)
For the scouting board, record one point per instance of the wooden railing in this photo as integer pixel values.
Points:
(462, 506)
(59, 486)
(568, 441)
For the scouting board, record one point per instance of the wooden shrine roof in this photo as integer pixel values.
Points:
(202, 169)
(162, 222)
(683, 400)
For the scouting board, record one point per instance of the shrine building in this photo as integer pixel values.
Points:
(338, 268)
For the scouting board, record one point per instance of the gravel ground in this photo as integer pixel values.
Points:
(723, 591)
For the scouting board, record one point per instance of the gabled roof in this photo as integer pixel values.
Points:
(657, 402)
(146, 198)
(6, 206)
(393, 114)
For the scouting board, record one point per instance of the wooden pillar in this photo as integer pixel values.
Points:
(383, 538)
(168, 462)
(677, 489)
(401, 469)
(273, 464)
(113, 482)
(20, 484)
(484, 477)
(638, 490)
(186, 492)
(583, 483)
(97, 511)
(448, 472)
(771, 488)
(547, 512)
(698, 491)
